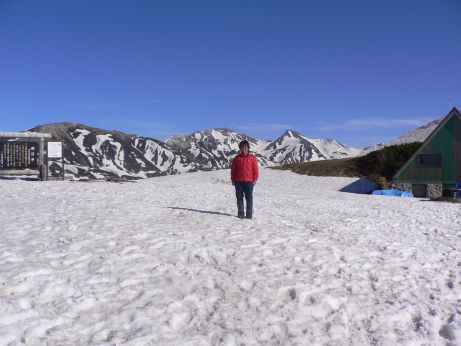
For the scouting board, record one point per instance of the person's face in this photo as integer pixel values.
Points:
(244, 149)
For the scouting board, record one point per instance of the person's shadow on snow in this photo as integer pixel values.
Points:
(200, 211)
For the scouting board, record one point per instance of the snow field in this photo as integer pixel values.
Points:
(164, 261)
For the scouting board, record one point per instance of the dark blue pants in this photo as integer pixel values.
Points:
(244, 188)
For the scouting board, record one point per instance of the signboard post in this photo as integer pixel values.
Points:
(54, 152)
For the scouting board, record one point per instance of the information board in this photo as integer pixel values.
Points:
(19, 155)
(54, 150)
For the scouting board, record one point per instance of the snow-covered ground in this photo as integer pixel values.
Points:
(163, 261)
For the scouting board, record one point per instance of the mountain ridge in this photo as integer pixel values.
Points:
(98, 153)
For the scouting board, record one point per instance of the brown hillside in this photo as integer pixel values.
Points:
(336, 168)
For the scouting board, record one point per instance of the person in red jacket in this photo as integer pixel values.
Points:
(244, 174)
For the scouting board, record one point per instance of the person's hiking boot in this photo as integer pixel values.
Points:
(241, 216)
(249, 216)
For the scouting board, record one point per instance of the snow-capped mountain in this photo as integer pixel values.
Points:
(97, 153)
(417, 135)
(215, 148)
(292, 147)
(332, 149)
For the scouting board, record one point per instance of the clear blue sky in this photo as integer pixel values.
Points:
(357, 71)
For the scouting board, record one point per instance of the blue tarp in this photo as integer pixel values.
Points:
(397, 193)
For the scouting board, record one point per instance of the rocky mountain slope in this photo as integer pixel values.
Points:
(96, 153)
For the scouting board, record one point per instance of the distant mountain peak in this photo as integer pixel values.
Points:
(291, 134)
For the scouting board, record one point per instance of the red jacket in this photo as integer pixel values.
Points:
(244, 168)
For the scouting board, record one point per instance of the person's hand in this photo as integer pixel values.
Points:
(254, 183)
(233, 183)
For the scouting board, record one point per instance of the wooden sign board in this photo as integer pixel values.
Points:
(18, 155)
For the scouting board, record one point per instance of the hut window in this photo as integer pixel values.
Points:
(430, 159)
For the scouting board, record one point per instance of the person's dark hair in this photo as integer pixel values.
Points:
(244, 142)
